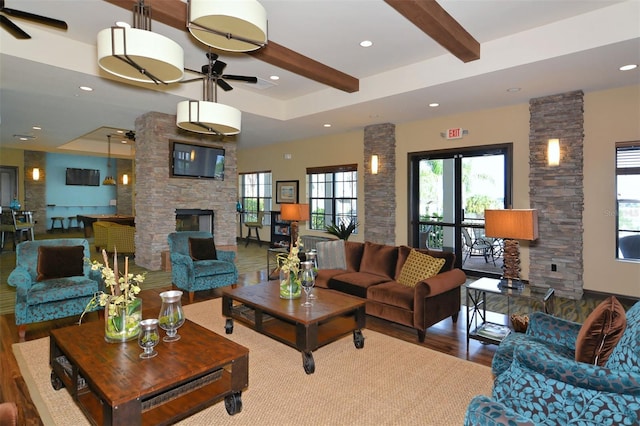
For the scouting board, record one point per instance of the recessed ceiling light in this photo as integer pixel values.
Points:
(327, 125)
(24, 137)
(86, 88)
(120, 131)
(37, 128)
(366, 43)
(274, 77)
(434, 104)
(513, 89)
(628, 67)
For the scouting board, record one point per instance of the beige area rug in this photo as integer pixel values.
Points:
(388, 382)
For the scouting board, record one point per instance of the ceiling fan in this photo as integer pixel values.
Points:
(213, 73)
(15, 30)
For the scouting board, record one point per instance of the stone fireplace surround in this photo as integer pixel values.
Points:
(158, 195)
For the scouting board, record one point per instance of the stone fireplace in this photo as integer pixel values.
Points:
(194, 220)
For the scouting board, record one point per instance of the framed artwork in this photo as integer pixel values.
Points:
(287, 191)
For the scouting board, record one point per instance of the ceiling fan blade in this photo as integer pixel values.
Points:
(224, 85)
(241, 78)
(13, 28)
(36, 18)
(218, 67)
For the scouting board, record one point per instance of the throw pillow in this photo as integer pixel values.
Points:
(60, 262)
(331, 255)
(202, 249)
(418, 267)
(600, 332)
(379, 259)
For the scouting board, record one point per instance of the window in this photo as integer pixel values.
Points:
(628, 200)
(333, 195)
(255, 195)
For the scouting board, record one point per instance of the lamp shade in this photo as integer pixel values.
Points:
(521, 224)
(208, 117)
(295, 212)
(140, 55)
(231, 25)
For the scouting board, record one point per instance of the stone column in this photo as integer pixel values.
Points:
(380, 189)
(557, 193)
(35, 191)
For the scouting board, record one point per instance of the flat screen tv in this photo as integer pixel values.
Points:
(197, 161)
(86, 177)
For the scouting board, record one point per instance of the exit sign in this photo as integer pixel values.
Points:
(454, 133)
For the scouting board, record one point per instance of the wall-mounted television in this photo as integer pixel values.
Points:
(197, 161)
(86, 177)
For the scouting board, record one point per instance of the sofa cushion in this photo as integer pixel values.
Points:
(392, 293)
(379, 259)
(60, 262)
(331, 255)
(355, 283)
(202, 249)
(600, 332)
(418, 267)
(353, 252)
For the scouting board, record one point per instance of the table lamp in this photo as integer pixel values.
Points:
(511, 225)
(294, 213)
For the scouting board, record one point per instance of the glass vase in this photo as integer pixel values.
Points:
(122, 321)
(290, 286)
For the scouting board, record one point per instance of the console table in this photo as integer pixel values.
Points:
(477, 306)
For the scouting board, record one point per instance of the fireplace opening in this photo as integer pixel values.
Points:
(194, 220)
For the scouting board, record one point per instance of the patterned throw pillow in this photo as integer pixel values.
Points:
(600, 332)
(418, 267)
(60, 262)
(331, 255)
(202, 249)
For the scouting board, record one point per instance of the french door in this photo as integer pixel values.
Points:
(449, 191)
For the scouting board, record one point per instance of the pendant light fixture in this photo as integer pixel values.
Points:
(208, 116)
(231, 25)
(109, 180)
(137, 53)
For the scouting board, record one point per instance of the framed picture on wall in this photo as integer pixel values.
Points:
(287, 191)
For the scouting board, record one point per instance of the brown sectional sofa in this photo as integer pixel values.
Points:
(372, 271)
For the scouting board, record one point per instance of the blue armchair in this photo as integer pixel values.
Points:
(195, 275)
(539, 382)
(50, 298)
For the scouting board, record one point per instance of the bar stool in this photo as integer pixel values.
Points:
(71, 219)
(54, 220)
(255, 226)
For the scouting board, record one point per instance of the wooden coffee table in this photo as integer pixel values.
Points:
(114, 386)
(332, 316)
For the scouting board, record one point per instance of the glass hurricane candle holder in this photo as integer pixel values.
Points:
(148, 338)
(171, 315)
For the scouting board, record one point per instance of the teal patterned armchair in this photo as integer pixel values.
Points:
(539, 382)
(51, 298)
(195, 275)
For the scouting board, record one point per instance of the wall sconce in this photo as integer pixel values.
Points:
(374, 164)
(553, 152)
(36, 173)
(125, 179)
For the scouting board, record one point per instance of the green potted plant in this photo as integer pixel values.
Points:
(344, 229)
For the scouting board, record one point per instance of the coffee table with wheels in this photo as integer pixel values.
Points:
(332, 316)
(112, 385)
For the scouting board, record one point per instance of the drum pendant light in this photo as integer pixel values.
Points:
(138, 54)
(231, 25)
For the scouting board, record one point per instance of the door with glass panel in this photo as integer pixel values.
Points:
(449, 192)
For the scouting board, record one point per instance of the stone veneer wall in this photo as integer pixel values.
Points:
(35, 191)
(158, 196)
(124, 193)
(557, 193)
(380, 189)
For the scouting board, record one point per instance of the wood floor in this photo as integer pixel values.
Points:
(445, 337)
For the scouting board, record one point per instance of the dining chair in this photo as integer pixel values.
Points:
(23, 225)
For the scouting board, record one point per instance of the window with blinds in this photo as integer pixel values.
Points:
(628, 200)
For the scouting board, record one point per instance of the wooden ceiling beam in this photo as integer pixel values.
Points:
(436, 22)
(174, 14)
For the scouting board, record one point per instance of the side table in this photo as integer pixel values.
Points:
(478, 328)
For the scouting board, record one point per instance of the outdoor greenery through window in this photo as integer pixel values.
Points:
(333, 195)
(255, 195)
(628, 200)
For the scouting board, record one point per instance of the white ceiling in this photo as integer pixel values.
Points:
(542, 47)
